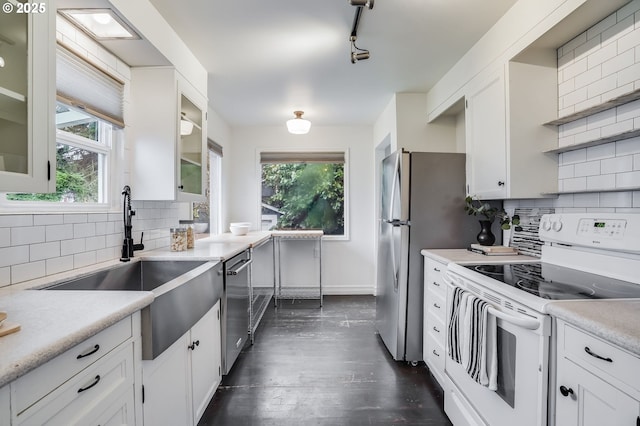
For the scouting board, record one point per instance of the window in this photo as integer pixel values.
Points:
(88, 125)
(206, 214)
(303, 190)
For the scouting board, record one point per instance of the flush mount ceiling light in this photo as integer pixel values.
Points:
(298, 125)
(101, 24)
(358, 54)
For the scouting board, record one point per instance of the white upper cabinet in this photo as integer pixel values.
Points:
(505, 135)
(27, 98)
(169, 131)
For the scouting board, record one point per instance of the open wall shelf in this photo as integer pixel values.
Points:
(613, 138)
(611, 103)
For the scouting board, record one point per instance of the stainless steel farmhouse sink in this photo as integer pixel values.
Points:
(184, 291)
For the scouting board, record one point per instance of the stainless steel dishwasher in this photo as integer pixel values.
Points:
(235, 307)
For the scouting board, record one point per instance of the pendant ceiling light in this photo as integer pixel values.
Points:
(298, 125)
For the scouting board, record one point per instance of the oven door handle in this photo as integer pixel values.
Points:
(528, 323)
(524, 322)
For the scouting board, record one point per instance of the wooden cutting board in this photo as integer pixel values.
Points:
(8, 328)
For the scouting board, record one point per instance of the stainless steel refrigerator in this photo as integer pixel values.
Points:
(422, 206)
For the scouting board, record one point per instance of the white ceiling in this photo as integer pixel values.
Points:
(266, 59)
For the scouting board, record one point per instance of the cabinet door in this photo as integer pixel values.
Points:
(206, 360)
(192, 145)
(5, 413)
(590, 400)
(27, 99)
(486, 139)
(167, 386)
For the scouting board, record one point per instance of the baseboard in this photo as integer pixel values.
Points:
(347, 291)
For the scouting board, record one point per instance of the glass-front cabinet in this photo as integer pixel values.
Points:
(169, 136)
(27, 97)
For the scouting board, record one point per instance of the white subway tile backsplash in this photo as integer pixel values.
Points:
(598, 28)
(59, 264)
(628, 180)
(575, 97)
(600, 119)
(601, 182)
(75, 218)
(617, 128)
(95, 243)
(627, 10)
(574, 184)
(81, 230)
(636, 162)
(573, 127)
(565, 172)
(588, 136)
(59, 232)
(606, 52)
(589, 168)
(97, 217)
(27, 235)
(616, 199)
(636, 198)
(586, 200)
(13, 255)
(591, 102)
(574, 68)
(575, 42)
(600, 152)
(623, 27)
(44, 251)
(5, 237)
(571, 157)
(72, 246)
(617, 165)
(628, 111)
(84, 259)
(15, 220)
(602, 85)
(618, 63)
(48, 219)
(27, 271)
(5, 276)
(566, 87)
(629, 75)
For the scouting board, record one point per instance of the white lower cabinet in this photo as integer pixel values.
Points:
(434, 325)
(596, 382)
(5, 407)
(92, 383)
(179, 384)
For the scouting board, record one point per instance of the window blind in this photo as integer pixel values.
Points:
(80, 84)
(301, 157)
(214, 147)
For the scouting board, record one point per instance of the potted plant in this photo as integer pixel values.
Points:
(474, 206)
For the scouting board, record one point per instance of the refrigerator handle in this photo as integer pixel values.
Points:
(396, 179)
(393, 264)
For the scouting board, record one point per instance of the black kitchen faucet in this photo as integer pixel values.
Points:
(128, 247)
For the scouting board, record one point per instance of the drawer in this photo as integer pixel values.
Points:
(618, 363)
(88, 394)
(437, 329)
(36, 384)
(435, 357)
(437, 306)
(433, 277)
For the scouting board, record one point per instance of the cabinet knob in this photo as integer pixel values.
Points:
(181, 187)
(435, 305)
(500, 183)
(435, 353)
(193, 345)
(566, 391)
(437, 284)
(435, 329)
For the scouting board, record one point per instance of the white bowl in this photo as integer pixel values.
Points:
(239, 229)
(240, 224)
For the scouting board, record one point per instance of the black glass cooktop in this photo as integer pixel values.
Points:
(558, 283)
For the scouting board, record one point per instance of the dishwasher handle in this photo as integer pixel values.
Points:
(238, 267)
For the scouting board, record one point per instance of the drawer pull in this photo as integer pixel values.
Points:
(595, 355)
(436, 330)
(435, 353)
(436, 269)
(95, 382)
(91, 352)
(566, 391)
(437, 284)
(435, 305)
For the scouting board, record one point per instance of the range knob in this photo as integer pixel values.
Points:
(546, 225)
(557, 226)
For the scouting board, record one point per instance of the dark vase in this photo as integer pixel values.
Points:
(486, 237)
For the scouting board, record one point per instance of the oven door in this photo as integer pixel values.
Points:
(521, 398)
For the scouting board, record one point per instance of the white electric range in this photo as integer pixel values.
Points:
(585, 256)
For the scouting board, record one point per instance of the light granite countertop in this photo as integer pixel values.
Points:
(464, 256)
(54, 321)
(616, 321)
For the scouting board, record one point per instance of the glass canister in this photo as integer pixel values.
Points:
(191, 236)
(178, 239)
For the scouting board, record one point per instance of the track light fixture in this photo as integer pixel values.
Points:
(358, 54)
(364, 3)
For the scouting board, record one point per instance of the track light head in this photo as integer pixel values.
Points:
(363, 3)
(359, 56)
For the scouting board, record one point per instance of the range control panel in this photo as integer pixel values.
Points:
(609, 231)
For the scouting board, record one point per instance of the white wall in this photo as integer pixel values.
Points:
(347, 266)
(219, 132)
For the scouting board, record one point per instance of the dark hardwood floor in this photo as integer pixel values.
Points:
(324, 366)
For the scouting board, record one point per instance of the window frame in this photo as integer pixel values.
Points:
(346, 184)
(109, 172)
